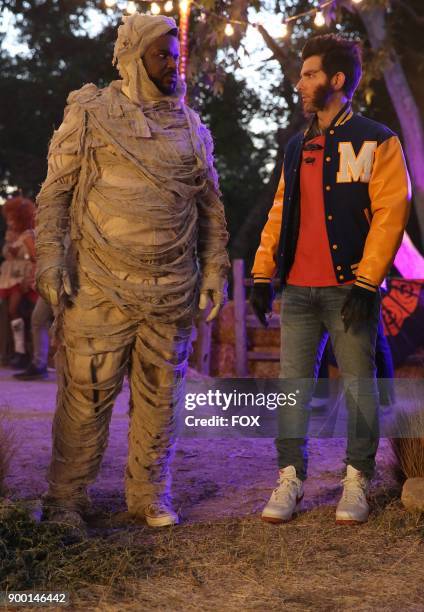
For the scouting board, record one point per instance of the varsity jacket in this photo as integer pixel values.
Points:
(366, 198)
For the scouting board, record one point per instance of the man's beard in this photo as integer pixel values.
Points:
(321, 96)
(167, 90)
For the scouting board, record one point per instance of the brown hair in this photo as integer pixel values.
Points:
(337, 54)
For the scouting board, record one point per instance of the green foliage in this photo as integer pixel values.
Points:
(34, 87)
(240, 157)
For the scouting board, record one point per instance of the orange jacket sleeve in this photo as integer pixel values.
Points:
(390, 194)
(265, 264)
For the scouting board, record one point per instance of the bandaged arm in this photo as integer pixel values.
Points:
(212, 232)
(54, 198)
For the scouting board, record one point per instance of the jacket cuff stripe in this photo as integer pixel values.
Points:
(261, 279)
(366, 280)
(365, 285)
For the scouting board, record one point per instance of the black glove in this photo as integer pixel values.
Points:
(358, 307)
(261, 300)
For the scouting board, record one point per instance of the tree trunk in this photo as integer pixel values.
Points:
(404, 104)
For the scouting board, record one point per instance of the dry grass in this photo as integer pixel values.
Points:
(233, 564)
(7, 446)
(409, 449)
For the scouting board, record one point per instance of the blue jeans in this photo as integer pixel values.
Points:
(308, 316)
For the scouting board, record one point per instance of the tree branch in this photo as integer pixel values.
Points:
(417, 18)
(289, 64)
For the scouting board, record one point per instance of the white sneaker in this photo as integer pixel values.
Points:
(160, 515)
(353, 507)
(285, 499)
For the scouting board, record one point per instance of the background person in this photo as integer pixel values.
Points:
(41, 319)
(17, 270)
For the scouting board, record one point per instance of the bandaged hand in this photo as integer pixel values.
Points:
(54, 283)
(213, 288)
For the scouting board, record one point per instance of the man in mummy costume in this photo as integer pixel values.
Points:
(131, 178)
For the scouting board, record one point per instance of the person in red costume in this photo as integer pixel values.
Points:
(17, 270)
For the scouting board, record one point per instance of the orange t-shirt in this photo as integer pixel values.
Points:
(312, 266)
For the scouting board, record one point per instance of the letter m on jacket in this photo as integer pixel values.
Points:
(356, 167)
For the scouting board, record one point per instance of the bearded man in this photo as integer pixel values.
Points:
(333, 231)
(131, 177)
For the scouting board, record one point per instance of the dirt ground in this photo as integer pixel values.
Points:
(222, 557)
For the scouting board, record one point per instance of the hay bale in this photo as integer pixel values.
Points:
(409, 448)
(195, 376)
(223, 330)
(223, 360)
(413, 494)
(223, 346)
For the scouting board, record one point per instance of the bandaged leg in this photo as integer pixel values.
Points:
(158, 366)
(92, 362)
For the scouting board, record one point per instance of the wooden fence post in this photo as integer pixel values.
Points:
(239, 294)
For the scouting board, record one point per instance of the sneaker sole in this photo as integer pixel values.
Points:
(277, 521)
(349, 522)
(161, 522)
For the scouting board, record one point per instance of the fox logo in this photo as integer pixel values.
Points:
(356, 167)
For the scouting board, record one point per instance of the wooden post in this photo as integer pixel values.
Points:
(240, 317)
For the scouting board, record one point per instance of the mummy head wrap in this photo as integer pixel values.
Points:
(135, 35)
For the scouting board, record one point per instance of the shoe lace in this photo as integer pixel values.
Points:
(158, 507)
(354, 489)
(285, 485)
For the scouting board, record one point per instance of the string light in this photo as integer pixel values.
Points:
(318, 12)
(229, 30)
(319, 20)
(185, 6)
(131, 7)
